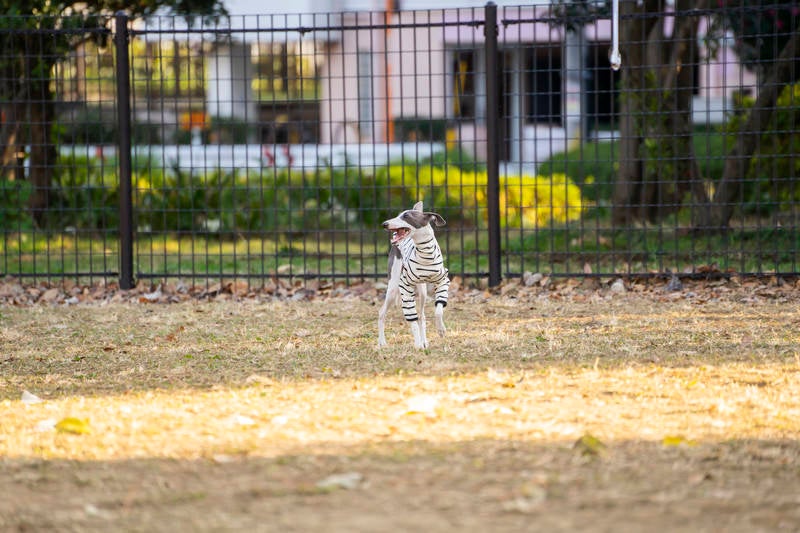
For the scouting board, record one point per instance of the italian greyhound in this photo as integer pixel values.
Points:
(415, 260)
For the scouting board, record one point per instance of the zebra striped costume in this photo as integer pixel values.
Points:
(422, 263)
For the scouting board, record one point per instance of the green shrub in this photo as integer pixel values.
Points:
(94, 125)
(420, 129)
(770, 180)
(14, 214)
(593, 166)
(87, 126)
(86, 196)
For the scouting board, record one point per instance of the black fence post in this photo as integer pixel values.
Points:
(492, 143)
(123, 75)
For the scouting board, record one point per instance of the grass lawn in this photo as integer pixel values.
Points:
(750, 248)
(559, 409)
(763, 238)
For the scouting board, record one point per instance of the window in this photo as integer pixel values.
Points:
(464, 84)
(286, 71)
(543, 86)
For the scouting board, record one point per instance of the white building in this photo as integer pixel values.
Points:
(378, 84)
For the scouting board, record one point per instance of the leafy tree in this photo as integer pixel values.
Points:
(768, 41)
(34, 36)
(657, 166)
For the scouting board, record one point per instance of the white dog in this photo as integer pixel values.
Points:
(415, 260)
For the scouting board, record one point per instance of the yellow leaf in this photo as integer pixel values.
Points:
(677, 440)
(589, 445)
(76, 426)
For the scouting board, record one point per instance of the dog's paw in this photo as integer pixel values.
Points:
(440, 325)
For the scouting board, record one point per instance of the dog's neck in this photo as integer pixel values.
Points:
(421, 237)
(407, 248)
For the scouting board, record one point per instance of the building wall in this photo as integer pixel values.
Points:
(229, 93)
(341, 119)
(412, 74)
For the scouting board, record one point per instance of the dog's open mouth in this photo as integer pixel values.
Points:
(398, 234)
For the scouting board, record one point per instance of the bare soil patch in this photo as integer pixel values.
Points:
(568, 407)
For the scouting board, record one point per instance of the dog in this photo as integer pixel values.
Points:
(415, 259)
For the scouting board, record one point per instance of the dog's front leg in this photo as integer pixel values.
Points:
(439, 319)
(391, 296)
(419, 342)
(422, 299)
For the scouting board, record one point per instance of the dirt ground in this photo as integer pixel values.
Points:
(568, 408)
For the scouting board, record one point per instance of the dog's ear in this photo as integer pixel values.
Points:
(418, 207)
(436, 219)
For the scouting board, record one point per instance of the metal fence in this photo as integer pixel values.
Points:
(273, 146)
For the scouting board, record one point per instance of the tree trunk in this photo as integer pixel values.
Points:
(9, 132)
(628, 185)
(43, 154)
(657, 164)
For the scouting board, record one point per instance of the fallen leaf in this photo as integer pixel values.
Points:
(76, 426)
(347, 480)
(618, 286)
(30, 398)
(241, 420)
(92, 510)
(589, 445)
(151, 297)
(677, 440)
(674, 284)
(502, 378)
(46, 425)
(529, 503)
(50, 295)
(279, 420)
(423, 404)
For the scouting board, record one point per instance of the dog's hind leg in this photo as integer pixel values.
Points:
(442, 293)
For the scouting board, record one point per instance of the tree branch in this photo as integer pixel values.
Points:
(784, 71)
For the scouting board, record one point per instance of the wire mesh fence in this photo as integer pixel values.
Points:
(256, 147)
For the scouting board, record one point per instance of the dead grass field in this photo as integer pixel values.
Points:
(550, 410)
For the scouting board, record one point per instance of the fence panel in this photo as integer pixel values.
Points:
(682, 161)
(304, 139)
(273, 146)
(58, 211)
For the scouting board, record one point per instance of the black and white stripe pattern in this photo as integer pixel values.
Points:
(422, 263)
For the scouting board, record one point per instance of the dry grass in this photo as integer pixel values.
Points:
(226, 415)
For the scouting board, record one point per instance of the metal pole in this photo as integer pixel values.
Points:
(121, 38)
(492, 143)
(614, 56)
